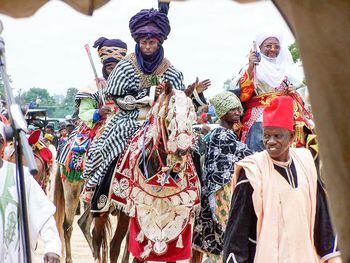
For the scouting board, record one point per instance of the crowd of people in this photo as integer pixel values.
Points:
(262, 198)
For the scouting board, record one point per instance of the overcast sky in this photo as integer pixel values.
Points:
(208, 39)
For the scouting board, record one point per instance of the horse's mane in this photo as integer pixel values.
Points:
(177, 113)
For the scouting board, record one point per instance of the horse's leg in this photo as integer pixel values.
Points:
(99, 234)
(197, 256)
(126, 253)
(71, 196)
(84, 223)
(119, 234)
(59, 202)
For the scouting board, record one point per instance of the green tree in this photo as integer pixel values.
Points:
(68, 105)
(293, 48)
(2, 89)
(70, 96)
(41, 98)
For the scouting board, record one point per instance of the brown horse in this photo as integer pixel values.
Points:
(160, 152)
(66, 200)
(42, 177)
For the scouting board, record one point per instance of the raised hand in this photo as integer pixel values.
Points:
(201, 85)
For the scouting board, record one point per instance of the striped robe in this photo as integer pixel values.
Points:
(125, 79)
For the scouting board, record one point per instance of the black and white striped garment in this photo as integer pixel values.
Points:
(62, 157)
(85, 95)
(3, 111)
(124, 80)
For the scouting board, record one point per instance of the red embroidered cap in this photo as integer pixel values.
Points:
(280, 113)
(34, 137)
(46, 154)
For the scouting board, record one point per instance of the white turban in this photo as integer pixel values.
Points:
(272, 71)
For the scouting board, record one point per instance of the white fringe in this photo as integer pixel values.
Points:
(140, 237)
(132, 211)
(147, 250)
(179, 243)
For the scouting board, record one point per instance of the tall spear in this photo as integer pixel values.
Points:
(98, 84)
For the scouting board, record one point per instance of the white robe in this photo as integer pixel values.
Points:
(40, 216)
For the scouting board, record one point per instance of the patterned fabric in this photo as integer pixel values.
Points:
(223, 200)
(3, 110)
(160, 201)
(110, 50)
(223, 151)
(224, 102)
(125, 79)
(62, 157)
(111, 54)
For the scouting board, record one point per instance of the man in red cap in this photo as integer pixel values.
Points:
(279, 210)
(41, 222)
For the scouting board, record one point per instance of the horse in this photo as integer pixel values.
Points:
(42, 157)
(68, 186)
(66, 200)
(158, 160)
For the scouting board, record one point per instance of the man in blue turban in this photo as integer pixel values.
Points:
(149, 27)
(135, 78)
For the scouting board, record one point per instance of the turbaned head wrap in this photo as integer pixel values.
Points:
(110, 50)
(224, 102)
(273, 71)
(151, 23)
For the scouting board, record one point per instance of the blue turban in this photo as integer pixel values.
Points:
(149, 22)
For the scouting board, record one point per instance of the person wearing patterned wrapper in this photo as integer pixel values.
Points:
(222, 151)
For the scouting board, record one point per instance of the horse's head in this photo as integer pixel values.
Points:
(175, 118)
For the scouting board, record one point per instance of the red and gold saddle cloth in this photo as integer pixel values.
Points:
(161, 207)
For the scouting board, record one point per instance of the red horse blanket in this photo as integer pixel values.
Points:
(161, 207)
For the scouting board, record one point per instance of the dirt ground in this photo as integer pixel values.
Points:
(80, 248)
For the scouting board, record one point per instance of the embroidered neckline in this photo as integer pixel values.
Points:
(148, 80)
